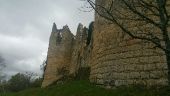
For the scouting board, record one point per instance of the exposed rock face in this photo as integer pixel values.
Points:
(118, 59)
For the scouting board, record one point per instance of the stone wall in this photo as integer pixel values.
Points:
(119, 60)
(114, 58)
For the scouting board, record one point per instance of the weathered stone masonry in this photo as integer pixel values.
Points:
(114, 58)
(124, 61)
(66, 54)
(59, 54)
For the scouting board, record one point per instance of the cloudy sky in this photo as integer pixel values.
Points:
(25, 27)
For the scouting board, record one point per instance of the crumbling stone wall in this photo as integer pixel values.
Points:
(59, 55)
(81, 53)
(118, 59)
(114, 58)
(66, 54)
(82, 50)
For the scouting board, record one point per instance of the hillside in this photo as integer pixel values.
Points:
(83, 88)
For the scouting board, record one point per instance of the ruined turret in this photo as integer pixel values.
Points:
(59, 55)
(67, 54)
(54, 28)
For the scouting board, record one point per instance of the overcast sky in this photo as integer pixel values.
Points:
(25, 27)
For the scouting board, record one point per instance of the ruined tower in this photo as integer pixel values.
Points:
(59, 54)
(66, 54)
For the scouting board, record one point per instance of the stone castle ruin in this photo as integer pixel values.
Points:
(112, 60)
(66, 54)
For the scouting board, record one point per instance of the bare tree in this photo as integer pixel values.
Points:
(145, 20)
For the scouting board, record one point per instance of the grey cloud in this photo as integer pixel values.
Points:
(25, 28)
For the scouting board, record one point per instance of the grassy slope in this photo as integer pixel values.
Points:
(83, 88)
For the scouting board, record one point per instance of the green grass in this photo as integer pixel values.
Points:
(84, 88)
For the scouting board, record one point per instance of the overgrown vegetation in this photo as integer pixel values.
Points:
(84, 88)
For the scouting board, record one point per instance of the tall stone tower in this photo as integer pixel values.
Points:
(119, 60)
(59, 54)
